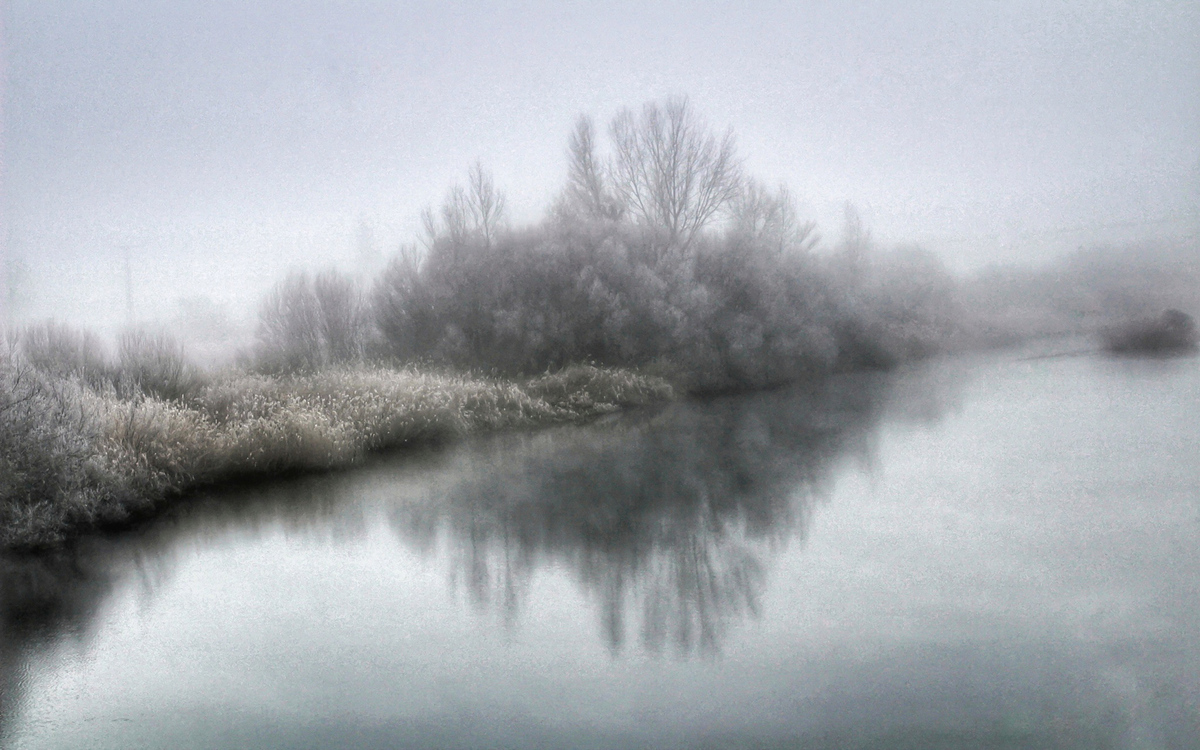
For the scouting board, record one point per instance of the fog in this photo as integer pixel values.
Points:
(172, 161)
(901, 301)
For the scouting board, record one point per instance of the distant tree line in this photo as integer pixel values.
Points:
(659, 252)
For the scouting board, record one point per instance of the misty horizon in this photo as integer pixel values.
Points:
(636, 375)
(215, 148)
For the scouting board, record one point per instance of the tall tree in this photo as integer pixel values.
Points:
(587, 194)
(476, 211)
(670, 171)
(485, 203)
(853, 254)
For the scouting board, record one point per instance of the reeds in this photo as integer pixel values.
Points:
(74, 455)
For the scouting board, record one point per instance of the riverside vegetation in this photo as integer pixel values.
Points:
(660, 269)
(85, 443)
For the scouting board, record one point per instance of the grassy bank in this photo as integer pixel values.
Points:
(76, 454)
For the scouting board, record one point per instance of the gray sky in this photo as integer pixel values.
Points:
(222, 143)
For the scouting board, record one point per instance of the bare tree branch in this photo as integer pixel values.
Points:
(485, 203)
(772, 219)
(587, 195)
(669, 171)
(476, 211)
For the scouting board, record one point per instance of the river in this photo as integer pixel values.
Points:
(985, 551)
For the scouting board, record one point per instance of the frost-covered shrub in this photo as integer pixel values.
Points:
(727, 311)
(308, 323)
(891, 306)
(153, 363)
(60, 351)
(47, 440)
(73, 457)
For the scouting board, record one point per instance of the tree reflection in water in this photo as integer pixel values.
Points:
(49, 598)
(666, 518)
(41, 599)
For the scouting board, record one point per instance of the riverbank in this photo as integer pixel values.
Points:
(75, 457)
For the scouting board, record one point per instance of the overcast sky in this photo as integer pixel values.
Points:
(217, 143)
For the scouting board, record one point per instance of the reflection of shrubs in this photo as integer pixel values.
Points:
(72, 456)
(664, 520)
(1173, 331)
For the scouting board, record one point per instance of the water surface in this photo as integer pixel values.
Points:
(976, 552)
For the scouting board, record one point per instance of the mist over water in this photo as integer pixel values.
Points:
(291, 230)
(987, 550)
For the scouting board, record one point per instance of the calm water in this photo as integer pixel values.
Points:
(984, 552)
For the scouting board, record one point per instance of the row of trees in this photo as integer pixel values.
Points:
(660, 250)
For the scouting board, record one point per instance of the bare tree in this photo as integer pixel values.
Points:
(153, 362)
(306, 324)
(587, 194)
(367, 251)
(65, 352)
(14, 292)
(772, 219)
(854, 251)
(669, 171)
(393, 300)
(454, 219)
(486, 204)
(289, 325)
(6, 291)
(343, 317)
(474, 211)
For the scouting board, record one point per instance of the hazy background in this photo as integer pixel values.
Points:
(203, 149)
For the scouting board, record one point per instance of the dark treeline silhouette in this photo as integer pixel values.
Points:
(1173, 331)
